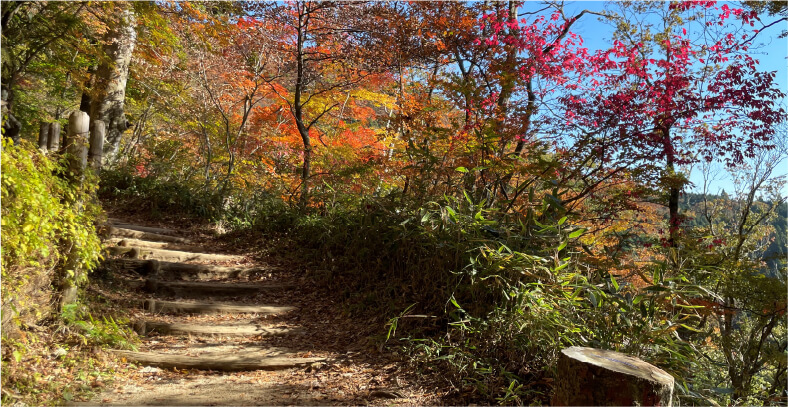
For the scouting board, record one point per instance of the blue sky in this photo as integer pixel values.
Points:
(772, 54)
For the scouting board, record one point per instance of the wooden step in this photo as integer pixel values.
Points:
(166, 270)
(169, 255)
(224, 362)
(131, 242)
(154, 305)
(140, 228)
(136, 234)
(208, 289)
(243, 329)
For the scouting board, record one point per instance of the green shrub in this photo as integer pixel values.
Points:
(49, 234)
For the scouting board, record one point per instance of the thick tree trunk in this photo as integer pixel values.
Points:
(111, 77)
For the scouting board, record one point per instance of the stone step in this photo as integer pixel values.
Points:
(169, 255)
(246, 328)
(208, 289)
(223, 362)
(136, 234)
(184, 307)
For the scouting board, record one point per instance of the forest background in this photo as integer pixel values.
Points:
(481, 163)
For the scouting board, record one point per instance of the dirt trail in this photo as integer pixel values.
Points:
(226, 330)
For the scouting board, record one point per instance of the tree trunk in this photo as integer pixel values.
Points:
(674, 186)
(298, 107)
(111, 77)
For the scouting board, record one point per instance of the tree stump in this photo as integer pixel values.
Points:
(596, 377)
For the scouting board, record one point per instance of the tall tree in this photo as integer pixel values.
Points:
(319, 62)
(677, 87)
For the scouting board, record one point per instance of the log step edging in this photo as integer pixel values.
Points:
(248, 329)
(213, 362)
(167, 270)
(208, 289)
(154, 305)
(132, 242)
(146, 253)
(136, 234)
(140, 228)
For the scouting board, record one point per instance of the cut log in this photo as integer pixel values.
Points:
(125, 232)
(246, 329)
(205, 289)
(167, 270)
(228, 363)
(141, 267)
(153, 305)
(146, 229)
(595, 377)
(168, 255)
(127, 242)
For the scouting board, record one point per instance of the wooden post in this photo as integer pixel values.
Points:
(77, 139)
(596, 377)
(96, 152)
(53, 142)
(43, 137)
(76, 145)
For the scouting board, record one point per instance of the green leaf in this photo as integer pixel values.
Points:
(561, 221)
(17, 356)
(690, 328)
(614, 282)
(561, 247)
(690, 306)
(461, 169)
(576, 233)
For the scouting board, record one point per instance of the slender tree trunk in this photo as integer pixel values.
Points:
(674, 188)
(111, 77)
(298, 111)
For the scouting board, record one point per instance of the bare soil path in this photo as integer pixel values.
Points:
(223, 328)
